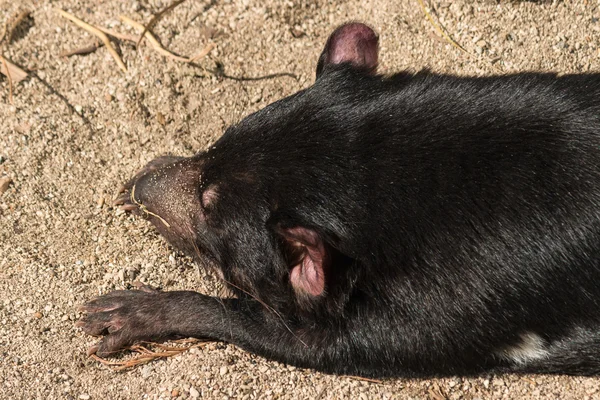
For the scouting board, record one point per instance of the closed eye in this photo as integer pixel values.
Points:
(209, 197)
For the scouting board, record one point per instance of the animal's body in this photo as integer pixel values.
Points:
(416, 224)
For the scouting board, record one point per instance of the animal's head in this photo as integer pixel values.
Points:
(263, 202)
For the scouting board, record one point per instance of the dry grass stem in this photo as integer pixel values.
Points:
(145, 210)
(153, 41)
(436, 394)
(146, 353)
(442, 31)
(118, 35)
(95, 31)
(360, 378)
(439, 29)
(155, 19)
(203, 53)
(84, 50)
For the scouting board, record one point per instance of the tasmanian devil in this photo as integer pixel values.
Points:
(407, 225)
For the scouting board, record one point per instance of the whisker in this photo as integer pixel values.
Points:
(266, 306)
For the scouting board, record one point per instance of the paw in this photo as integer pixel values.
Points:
(125, 317)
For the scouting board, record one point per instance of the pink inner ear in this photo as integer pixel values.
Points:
(308, 275)
(209, 196)
(355, 43)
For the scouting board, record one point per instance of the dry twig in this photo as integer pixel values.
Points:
(203, 53)
(83, 50)
(95, 31)
(103, 32)
(437, 394)
(361, 378)
(145, 354)
(118, 35)
(153, 42)
(145, 210)
(155, 19)
(440, 30)
(446, 36)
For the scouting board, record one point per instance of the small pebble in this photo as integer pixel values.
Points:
(223, 370)
(90, 261)
(84, 396)
(4, 183)
(194, 394)
(161, 118)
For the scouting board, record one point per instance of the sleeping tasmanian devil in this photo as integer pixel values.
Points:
(405, 225)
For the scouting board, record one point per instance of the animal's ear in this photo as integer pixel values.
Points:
(308, 259)
(353, 43)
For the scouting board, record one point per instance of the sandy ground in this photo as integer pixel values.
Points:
(79, 127)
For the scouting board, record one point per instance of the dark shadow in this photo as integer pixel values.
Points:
(21, 30)
(62, 98)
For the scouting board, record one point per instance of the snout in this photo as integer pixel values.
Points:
(166, 192)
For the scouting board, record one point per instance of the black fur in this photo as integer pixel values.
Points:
(457, 215)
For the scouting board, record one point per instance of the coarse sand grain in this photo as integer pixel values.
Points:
(79, 127)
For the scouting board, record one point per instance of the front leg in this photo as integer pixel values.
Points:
(364, 346)
(126, 317)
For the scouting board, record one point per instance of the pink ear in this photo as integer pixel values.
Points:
(353, 43)
(308, 270)
(209, 196)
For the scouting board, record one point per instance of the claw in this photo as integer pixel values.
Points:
(125, 317)
(121, 199)
(129, 207)
(98, 323)
(92, 350)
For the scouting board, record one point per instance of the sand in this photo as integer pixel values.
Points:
(79, 127)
